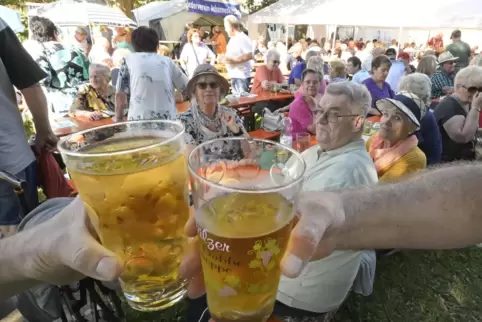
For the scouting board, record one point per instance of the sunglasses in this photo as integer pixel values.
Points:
(276, 62)
(473, 89)
(204, 85)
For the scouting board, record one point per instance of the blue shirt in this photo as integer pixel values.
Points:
(397, 71)
(360, 76)
(296, 72)
(430, 139)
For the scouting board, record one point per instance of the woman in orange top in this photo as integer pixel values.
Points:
(269, 75)
(218, 41)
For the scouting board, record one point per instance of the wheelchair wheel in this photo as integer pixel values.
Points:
(91, 301)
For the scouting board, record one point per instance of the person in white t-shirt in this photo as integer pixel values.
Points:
(239, 54)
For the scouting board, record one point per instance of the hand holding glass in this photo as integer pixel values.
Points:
(132, 178)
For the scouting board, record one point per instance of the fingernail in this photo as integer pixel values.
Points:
(292, 265)
(107, 269)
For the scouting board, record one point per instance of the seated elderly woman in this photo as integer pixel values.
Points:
(269, 75)
(429, 138)
(206, 119)
(458, 115)
(394, 148)
(315, 63)
(302, 108)
(96, 98)
(377, 85)
(338, 161)
(337, 71)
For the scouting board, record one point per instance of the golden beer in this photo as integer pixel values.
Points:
(244, 212)
(138, 204)
(243, 238)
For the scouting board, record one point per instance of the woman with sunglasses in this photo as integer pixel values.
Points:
(268, 75)
(206, 119)
(458, 115)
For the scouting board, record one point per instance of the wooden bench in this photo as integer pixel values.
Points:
(262, 134)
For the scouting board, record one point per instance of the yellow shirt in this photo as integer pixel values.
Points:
(412, 161)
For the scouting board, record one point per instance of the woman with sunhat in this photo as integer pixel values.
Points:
(207, 119)
(394, 148)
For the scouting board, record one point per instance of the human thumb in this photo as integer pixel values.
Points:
(302, 245)
(83, 251)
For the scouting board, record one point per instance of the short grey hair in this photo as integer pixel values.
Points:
(272, 54)
(316, 63)
(469, 76)
(101, 68)
(418, 84)
(357, 94)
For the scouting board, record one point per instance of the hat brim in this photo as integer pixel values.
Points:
(192, 83)
(451, 59)
(405, 110)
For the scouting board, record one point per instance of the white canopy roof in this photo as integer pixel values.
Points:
(82, 14)
(465, 14)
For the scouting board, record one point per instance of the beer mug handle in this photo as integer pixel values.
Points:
(283, 171)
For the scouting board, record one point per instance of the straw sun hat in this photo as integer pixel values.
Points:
(204, 70)
(445, 57)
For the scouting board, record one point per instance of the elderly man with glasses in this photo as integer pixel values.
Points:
(338, 161)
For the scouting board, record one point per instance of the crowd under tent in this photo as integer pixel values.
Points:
(412, 17)
(170, 17)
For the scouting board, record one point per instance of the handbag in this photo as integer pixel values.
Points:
(272, 121)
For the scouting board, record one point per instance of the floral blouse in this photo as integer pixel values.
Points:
(88, 99)
(66, 69)
(195, 133)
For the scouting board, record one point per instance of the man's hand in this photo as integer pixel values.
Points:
(45, 139)
(312, 238)
(68, 249)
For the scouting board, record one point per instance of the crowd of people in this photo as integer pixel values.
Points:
(427, 103)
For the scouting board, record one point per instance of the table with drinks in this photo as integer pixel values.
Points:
(133, 179)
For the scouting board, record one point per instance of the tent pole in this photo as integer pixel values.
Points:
(333, 40)
(287, 26)
(400, 39)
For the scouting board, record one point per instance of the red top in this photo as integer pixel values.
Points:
(262, 74)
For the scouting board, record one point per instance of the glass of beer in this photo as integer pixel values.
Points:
(133, 180)
(244, 212)
(302, 141)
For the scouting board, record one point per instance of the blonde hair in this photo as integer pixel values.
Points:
(427, 65)
(163, 50)
(338, 69)
(469, 76)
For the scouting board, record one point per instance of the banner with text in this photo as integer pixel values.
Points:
(215, 8)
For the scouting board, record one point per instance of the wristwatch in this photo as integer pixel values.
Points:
(239, 133)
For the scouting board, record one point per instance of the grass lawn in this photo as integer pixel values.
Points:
(415, 286)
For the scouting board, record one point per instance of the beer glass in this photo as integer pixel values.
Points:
(302, 141)
(132, 178)
(244, 212)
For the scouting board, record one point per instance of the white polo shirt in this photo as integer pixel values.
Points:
(239, 45)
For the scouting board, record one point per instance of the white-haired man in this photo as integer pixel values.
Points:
(239, 53)
(340, 160)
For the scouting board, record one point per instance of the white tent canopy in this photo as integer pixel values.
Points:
(465, 14)
(83, 14)
(12, 18)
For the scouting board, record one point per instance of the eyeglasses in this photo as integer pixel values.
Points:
(450, 63)
(473, 89)
(276, 62)
(204, 85)
(330, 116)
